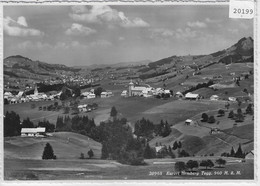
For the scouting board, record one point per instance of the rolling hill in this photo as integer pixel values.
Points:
(21, 65)
(66, 145)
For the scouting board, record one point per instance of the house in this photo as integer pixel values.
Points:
(167, 92)
(159, 148)
(124, 93)
(33, 132)
(8, 94)
(232, 99)
(214, 130)
(192, 96)
(106, 94)
(179, 95)
(20, 94)
(91, 95)
(84, 108)
(250, 155)
(85, 94)
(189, 122)
(148, 92)
(13, 101)
(214, 98)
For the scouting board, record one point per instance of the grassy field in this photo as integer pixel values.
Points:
(25, 110)
(108, 169)
(66, 145)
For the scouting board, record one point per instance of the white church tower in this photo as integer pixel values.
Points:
(130, 86)
(35, 90)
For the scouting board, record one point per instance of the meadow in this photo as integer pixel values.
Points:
(110, 170)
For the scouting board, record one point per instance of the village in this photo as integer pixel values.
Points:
(119, 92)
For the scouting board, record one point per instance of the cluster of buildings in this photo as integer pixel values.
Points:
(21, 97)
(144, 91)
(91, 94)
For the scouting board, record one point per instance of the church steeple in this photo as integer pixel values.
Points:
(35, 90)
(130, 86)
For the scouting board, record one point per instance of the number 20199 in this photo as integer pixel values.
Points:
(243, 11)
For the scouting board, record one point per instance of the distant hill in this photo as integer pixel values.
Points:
(19, 64)
(242, 51)
(115, 65)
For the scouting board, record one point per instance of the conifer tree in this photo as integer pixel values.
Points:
(239, 152)
(232, 152)
(48, 152)
(90, 153)
(175, 145)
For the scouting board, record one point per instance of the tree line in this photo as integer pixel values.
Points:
(238, 153)
(13, 124)
(190, 165)
(147, 129)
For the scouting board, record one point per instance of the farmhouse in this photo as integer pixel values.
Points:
(33, 132)
(214, 98)
(13, 101)
(232, 98)
(20, 94)
(250, 155)
(214, 130)
(179, 95)
(85, 94)
(124, 93)
(106, 94)
(91, 95)
(159, 148)
(190, 122)
(88, 95)
(192, 96)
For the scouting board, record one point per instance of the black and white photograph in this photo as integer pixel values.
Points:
(127, 92)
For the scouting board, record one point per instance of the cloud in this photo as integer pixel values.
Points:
(209, 20)
(105, 14)
(163, 33)
(121, 38)
(78, 29)
(197, 24)
(33, 45)
(29, 45)
(233, 31)
(100, 43)
(244, 26)
(19, 28)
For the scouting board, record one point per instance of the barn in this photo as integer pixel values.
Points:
(33, 132)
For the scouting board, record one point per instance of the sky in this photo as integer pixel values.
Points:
(102, 34)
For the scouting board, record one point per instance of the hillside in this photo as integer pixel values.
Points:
(66, 145)
(22, 65)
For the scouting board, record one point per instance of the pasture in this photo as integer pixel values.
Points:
(66, 145)
(110, 170)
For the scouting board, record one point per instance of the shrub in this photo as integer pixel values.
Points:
(192, 164)
(183, 153)
(90, 153)
(221, 162)
(82, 156)
(179, 166)
(211, 119)
(231, 114)
(204, 117)
(221, 112)
(207, 163)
